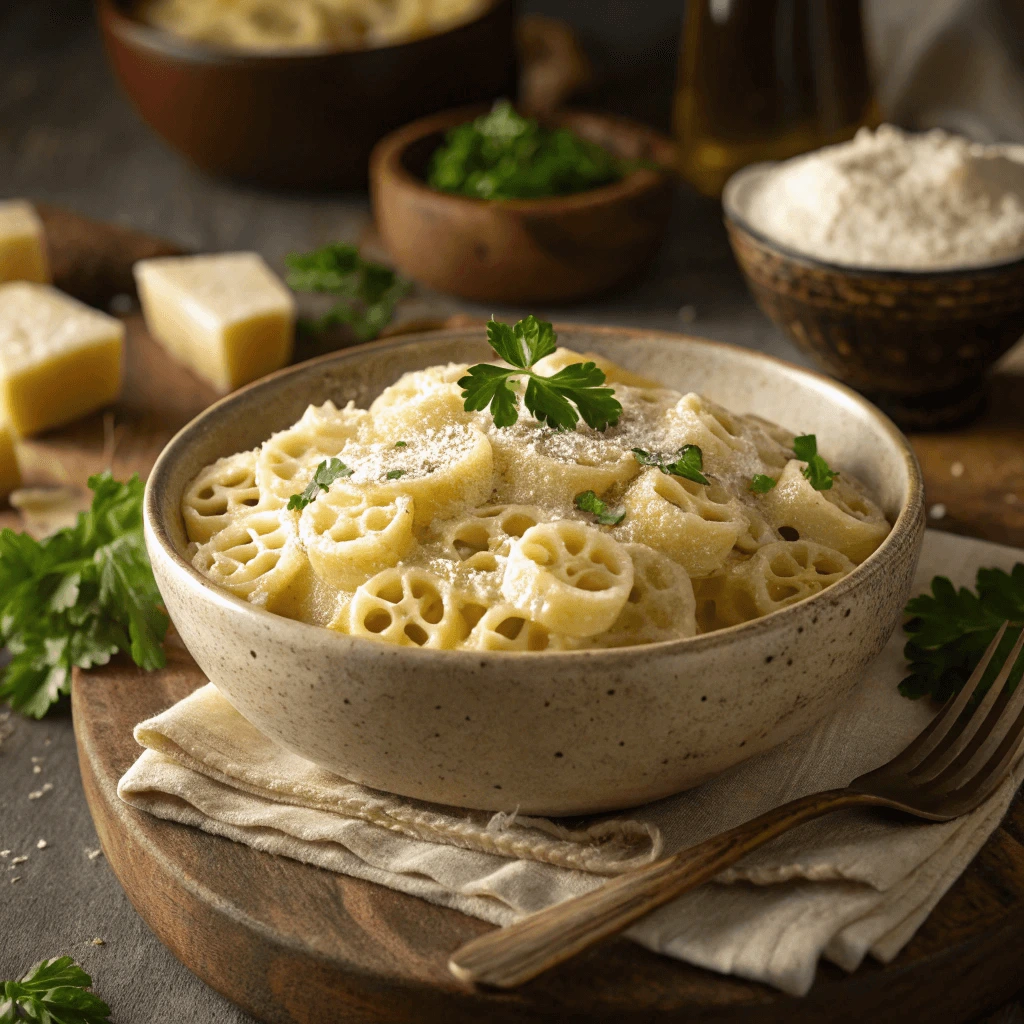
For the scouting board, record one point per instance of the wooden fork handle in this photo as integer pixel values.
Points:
(509, 956)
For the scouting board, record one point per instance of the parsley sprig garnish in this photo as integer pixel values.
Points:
(550, 399)
(78, 597)
(366, 292)
(761, 484)
(688, 462)
(588, 501)
(949, 630)
(53, 992)
(323, 476)
(817, 472)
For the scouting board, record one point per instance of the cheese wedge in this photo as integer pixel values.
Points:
(59, 359)
(22, 243)
(227, 316)
(10, 473)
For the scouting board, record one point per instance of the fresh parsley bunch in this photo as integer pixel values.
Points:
(78, 597)
(550, 399)
(367, 292)
(502, 155)
(949, 630)
(53, 992)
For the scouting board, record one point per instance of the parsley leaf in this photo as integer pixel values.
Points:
(367, 292)
(761, 484)
(688, 462)
(949, 630)
(550, 399)
(394, 474)
(55, 992)
(588, 501)
(503, 155)
(401, 444)
(325, 474)
(806, 450)
(77, 598)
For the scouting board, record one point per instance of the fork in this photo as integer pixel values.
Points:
(958, 760)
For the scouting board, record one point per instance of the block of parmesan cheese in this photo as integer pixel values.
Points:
(227, 316)
(59, 359)
(22, 243)
(10, 474)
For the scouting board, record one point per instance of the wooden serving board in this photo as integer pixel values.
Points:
(298, 944)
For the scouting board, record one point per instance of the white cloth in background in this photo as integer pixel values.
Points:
(853, 883)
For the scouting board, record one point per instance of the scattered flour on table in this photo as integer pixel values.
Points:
(896, 200)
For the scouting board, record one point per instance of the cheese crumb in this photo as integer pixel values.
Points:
(42, 844)
(16, 878)
(37, 793)
(226, 316)
(99, 942)
(937, 511)
(93, 854)
(37, 769)
(22, 243)
(18, 860)
(956, 469)
(59, 359)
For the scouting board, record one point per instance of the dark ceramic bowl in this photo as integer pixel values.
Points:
(919, 344)
(301, 119)
(511, 251)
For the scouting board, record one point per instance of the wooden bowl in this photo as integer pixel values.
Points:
(300, 119)
(917, 343)
(513, 251)
(549, 732)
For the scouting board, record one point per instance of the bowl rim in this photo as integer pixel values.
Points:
(910, 519)
(734, 218)
(157, 40)
(387, 159)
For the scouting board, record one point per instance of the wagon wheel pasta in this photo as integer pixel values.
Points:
(437, 529)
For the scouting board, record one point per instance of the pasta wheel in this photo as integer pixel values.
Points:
(780, 574)
(461, 476)
(716, 431)
(660, 605)
(411, 607)
(842, 517)
(569, 577)
(220, 493)
(350, 533)
(256, 556)
(421, 400)
(286, 462)
(477, 540)
(696, 524)
(535, 465)
(504, 628)
(774, 444)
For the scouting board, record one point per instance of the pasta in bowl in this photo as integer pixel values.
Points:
(566, 621)
(441, 529)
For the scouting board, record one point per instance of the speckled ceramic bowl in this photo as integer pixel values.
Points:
(552, 732)
(919, 343)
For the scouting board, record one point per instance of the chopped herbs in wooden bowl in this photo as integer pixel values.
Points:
(503, 155)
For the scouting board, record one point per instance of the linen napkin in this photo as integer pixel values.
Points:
(853, 883)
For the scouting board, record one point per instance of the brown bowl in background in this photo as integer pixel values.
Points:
(919, 344)
(301, 119)
(522, 250)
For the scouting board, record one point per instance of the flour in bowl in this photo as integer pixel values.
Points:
(896, 200)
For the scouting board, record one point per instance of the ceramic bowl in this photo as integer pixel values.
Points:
(300, 119)
(514, 251)
(551, 732)
(917, 343)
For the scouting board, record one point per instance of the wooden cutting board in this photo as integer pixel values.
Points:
(298, 944)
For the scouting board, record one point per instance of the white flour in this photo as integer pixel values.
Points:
(896, 200)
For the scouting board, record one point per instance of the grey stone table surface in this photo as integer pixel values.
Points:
(68, 137)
